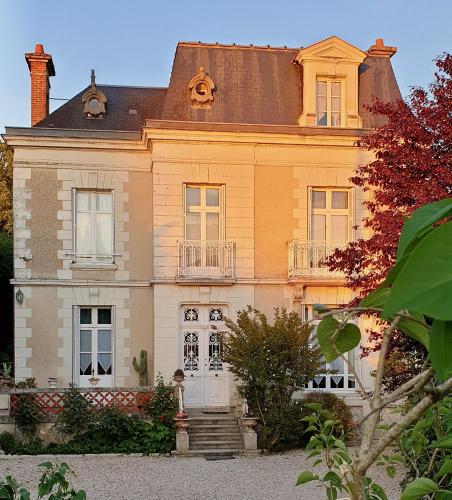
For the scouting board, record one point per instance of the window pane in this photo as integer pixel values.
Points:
(318, 199)
(212, 197)
(85, 340)
(335, 119)
(339, 199)
(192, 196)
(193, 226)
(104, 229)
(85, 316)
(339, 228)
(321, 88)
(104, 316)
(104, 364)
(212, 226)
(318, 229)
(85, 364)
(104, 341)
(103, 202)
(83, 201)
(336, 89)
(335, 104)
(84, 234)
(321, 119)
(338, 366)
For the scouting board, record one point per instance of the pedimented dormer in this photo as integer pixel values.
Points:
(330, 83)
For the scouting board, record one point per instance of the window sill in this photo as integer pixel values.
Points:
(94, 266)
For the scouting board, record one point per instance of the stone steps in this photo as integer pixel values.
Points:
(214, 432)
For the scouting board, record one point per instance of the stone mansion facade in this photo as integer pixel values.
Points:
(143, 216)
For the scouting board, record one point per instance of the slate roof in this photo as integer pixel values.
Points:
(254, 85)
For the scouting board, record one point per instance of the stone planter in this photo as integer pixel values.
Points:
(52, 381)
(248, 426)
(94, 381)
(182, 436)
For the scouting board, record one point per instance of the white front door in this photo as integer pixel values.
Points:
(206, 375)
(95, 346)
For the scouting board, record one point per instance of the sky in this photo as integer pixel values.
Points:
(133, 42)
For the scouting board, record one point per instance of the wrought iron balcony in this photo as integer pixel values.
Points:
(307, 259)
(205, 259)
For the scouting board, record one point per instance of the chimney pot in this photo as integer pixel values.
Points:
(381, 50)
(379, 42)
(39, 48)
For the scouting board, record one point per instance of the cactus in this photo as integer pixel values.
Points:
(142, 367)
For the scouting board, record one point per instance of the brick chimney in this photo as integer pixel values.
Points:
(380, 49)
(41, 68)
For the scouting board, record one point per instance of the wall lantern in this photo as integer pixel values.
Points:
(20, 296)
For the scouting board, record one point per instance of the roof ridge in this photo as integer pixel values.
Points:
(235, 46)
(130, 86)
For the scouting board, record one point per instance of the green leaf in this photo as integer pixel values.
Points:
(443, 495)
(377, 298)
(415, 330)
(332, 477)
(321, 308)
(379, 491)
(440, 350)
(424, 284)
(346, 339)
(422, 218)
(418, 488)
(305, 477)
(391, 471)
(444, 443)
(446, 468)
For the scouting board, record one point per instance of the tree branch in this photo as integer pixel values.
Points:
(367, 460)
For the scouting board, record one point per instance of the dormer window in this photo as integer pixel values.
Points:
(329, 103)
(94, 100)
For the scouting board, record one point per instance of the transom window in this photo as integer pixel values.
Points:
(330, 215)
(94, 226)
(203, 213)
(329, 103)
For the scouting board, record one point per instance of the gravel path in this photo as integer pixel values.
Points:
(137, 477)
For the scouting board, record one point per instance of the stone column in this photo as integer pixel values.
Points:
(248, 425)
(182, 436)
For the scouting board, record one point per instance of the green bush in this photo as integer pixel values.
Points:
(26, 414)
(417, 444)
(8, 442)
(76, 414)
(270, 363)
(338, 409)
(163, 406)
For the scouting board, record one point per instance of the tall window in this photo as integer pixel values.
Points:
(338, 374)
(93, 226)
(329, 103)
(95, 344)
(203, 213)
(330, 215)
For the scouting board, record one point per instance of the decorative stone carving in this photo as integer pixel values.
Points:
(201, 87)
(94, 100)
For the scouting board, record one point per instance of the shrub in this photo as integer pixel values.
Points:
(337, 408)
(270, 363)
(417, 444)
(76, 414)
(8, 442)
(163, 406)
(26, 414)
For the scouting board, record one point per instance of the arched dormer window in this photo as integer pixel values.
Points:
(94, 100)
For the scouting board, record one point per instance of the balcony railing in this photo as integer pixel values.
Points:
(307, 259)
(206, 259)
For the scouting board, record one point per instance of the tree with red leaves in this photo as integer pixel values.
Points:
(412, 167)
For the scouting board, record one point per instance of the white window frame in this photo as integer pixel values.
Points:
(308, 313)
(93, 258)
(204, 209)
(328, 212)
(76, 339)
(328, 82)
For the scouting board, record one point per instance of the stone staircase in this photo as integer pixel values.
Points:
(214, 433)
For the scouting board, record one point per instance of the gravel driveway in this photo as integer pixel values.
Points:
(137, 477)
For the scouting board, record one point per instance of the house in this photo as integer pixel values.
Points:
(144, 215)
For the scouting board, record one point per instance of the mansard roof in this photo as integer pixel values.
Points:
(259, 85)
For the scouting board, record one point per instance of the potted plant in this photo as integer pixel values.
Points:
(6, 374)
(52, 381)
(93, 380)
(179, 376)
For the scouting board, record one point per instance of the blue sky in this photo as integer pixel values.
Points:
(132, 42)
